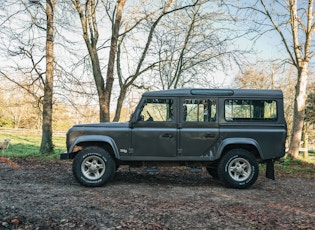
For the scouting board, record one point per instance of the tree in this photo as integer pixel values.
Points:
(309, 118)
(293, 22)
(90, 35)
(183, 43)
(266, 75)
(17, 108)
(112, 55)
(22, 43)
(46, 143)
(126, 83)
(255, 78)
(310, 105)
(195, 46)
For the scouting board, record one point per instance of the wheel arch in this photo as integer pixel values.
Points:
(242, 143)
(104, 142)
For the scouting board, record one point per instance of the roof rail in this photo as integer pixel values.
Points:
(213, 92)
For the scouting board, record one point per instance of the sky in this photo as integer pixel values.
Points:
(267, 47)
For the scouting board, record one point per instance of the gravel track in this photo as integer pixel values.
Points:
(38, 194)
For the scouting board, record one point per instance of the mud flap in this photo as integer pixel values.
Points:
(270, 169)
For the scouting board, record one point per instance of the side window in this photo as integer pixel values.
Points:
(156, 109)
(250, 110)
(199, 110)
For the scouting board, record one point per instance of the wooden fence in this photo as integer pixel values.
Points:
(36, 132)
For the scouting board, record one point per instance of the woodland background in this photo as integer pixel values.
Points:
(80, 61)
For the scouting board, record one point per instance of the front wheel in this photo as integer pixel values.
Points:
(238, 168)
(93, 167)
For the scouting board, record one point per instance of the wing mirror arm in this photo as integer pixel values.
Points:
(131, 124)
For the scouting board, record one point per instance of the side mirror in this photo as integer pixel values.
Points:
(131, 124)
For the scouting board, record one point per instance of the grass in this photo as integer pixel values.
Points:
(297, 168)
(29, 145)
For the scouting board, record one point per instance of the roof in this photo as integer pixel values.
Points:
(216, 92)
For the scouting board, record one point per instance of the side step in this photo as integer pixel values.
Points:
(151, 170)
(156, 170)
(195, 170)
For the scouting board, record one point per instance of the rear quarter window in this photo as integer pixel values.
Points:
(250, 110)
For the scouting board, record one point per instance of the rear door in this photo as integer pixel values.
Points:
(199, 128)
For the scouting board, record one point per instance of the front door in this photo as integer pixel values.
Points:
(154, 135)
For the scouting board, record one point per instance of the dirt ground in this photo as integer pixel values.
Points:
(44, 195)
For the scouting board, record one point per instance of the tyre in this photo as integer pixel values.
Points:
(93, 167)
(238, 168)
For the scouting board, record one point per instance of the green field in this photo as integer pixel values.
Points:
(22, 145)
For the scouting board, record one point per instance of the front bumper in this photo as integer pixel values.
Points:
(66, 156)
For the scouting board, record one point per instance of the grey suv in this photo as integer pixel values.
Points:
(226, 131)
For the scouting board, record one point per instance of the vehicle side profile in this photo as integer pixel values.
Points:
(226, 131)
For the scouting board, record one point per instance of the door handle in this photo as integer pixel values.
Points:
(209, 135)
(167, 135)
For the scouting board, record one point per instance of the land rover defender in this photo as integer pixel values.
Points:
(226, 131)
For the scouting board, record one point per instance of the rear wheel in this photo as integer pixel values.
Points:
(238, 168)
(93, 167)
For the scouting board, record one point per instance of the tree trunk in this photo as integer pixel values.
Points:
(305, 141)
(125, 86)
(111, 60)
(120, 101)
(90, 36)
(47, 144)
(299, 111)
(99, 82)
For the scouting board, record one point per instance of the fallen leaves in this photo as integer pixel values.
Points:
(15, 221)
(7, 161)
